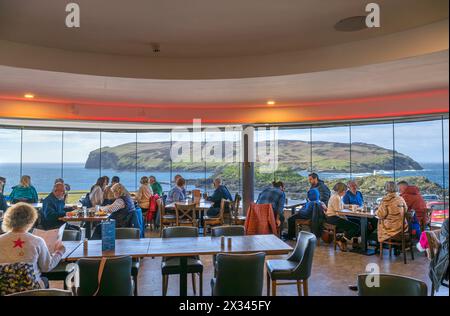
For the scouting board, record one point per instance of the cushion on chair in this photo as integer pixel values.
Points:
(172, 265)
(281, 269)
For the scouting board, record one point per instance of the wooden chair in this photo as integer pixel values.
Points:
(165, 220)
(209, 221)
(300, 224)
(186, 214)
(403, 239)
(196, 194)
(331, 229)
(236, 218)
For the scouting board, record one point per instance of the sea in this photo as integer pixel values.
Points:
(81, 179)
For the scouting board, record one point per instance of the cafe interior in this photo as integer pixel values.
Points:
(224, 148)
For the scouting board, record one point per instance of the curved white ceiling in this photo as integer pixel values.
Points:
(204, 28)
(214, 39)
(410, 74)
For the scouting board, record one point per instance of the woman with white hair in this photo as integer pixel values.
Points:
(121, 209)
(17, 245)
(390, 213)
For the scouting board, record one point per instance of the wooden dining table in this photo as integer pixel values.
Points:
(89, 220)
(182, 248)
(363, 216)
(201, 207)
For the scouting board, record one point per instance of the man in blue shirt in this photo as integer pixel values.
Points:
(353, 196)
(220, 192)
(53, 207)
(274, 195)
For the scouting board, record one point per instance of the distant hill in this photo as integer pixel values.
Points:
(293, 154)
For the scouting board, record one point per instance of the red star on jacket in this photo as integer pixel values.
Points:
(18, 243)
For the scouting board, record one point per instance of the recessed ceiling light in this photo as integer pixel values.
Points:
(270, 102)
(28, 96)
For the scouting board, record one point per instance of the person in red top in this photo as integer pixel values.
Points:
(413, 198)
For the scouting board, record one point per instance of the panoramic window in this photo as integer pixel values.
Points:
(222, 156)
(81, 161)
(118, 157)
(331, 153)
(42, 158)
(372, 158)
(294, 161)
(418, 155)
(10, 157)
(153, 157)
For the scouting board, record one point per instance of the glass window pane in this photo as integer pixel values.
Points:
(418, 155)
(446, 149)
(265, 156)
(294, 161)
(118, 157)
(10, 157)
(188, 158)
(372, 158)
(81, 166)
(331, 152)
(42, 158)
(154, 157)
(222, 156)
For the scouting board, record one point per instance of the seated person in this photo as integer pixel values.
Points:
(414, 201)
(353, 196)
(3, 204)
(108, 195)
(53, 207)
(390, 214)
(122, 210)
(24, 192)
(66, 187)
(144, 195)
(156, 186)
(342, 224)
(307, 211)
(176, 194)
(18, 245)
(220, 192)
(274, 195)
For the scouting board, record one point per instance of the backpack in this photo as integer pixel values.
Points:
(17, 277)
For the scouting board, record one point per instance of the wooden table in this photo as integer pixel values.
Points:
(363, 216)
(293, 204)
(183, 248)
(89, 220)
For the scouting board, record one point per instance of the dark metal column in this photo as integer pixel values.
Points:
(248, 167)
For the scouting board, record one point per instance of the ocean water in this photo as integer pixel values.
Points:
(432, 171)
(43, 176)
(81, 179)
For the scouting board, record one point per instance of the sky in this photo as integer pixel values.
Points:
(421, 141)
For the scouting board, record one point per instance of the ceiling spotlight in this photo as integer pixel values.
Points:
(28, 96)
(270, 102)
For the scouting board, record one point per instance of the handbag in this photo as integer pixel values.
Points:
(17, 277)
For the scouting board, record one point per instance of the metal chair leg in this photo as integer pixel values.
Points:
(274, 288)
(201, 283)
(165, 282)
(268, 284)
(305, 287)
(194, 287)
(299, 288)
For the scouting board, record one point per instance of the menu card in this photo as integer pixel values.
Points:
(108, 235)
(51, 237)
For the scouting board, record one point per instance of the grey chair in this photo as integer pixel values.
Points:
(297, 267)
(43, 292)
(115, 281)
(391, 285)
(60, 272)
(171, 265)
(131, 233)
(226, 231)
(239, 275)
